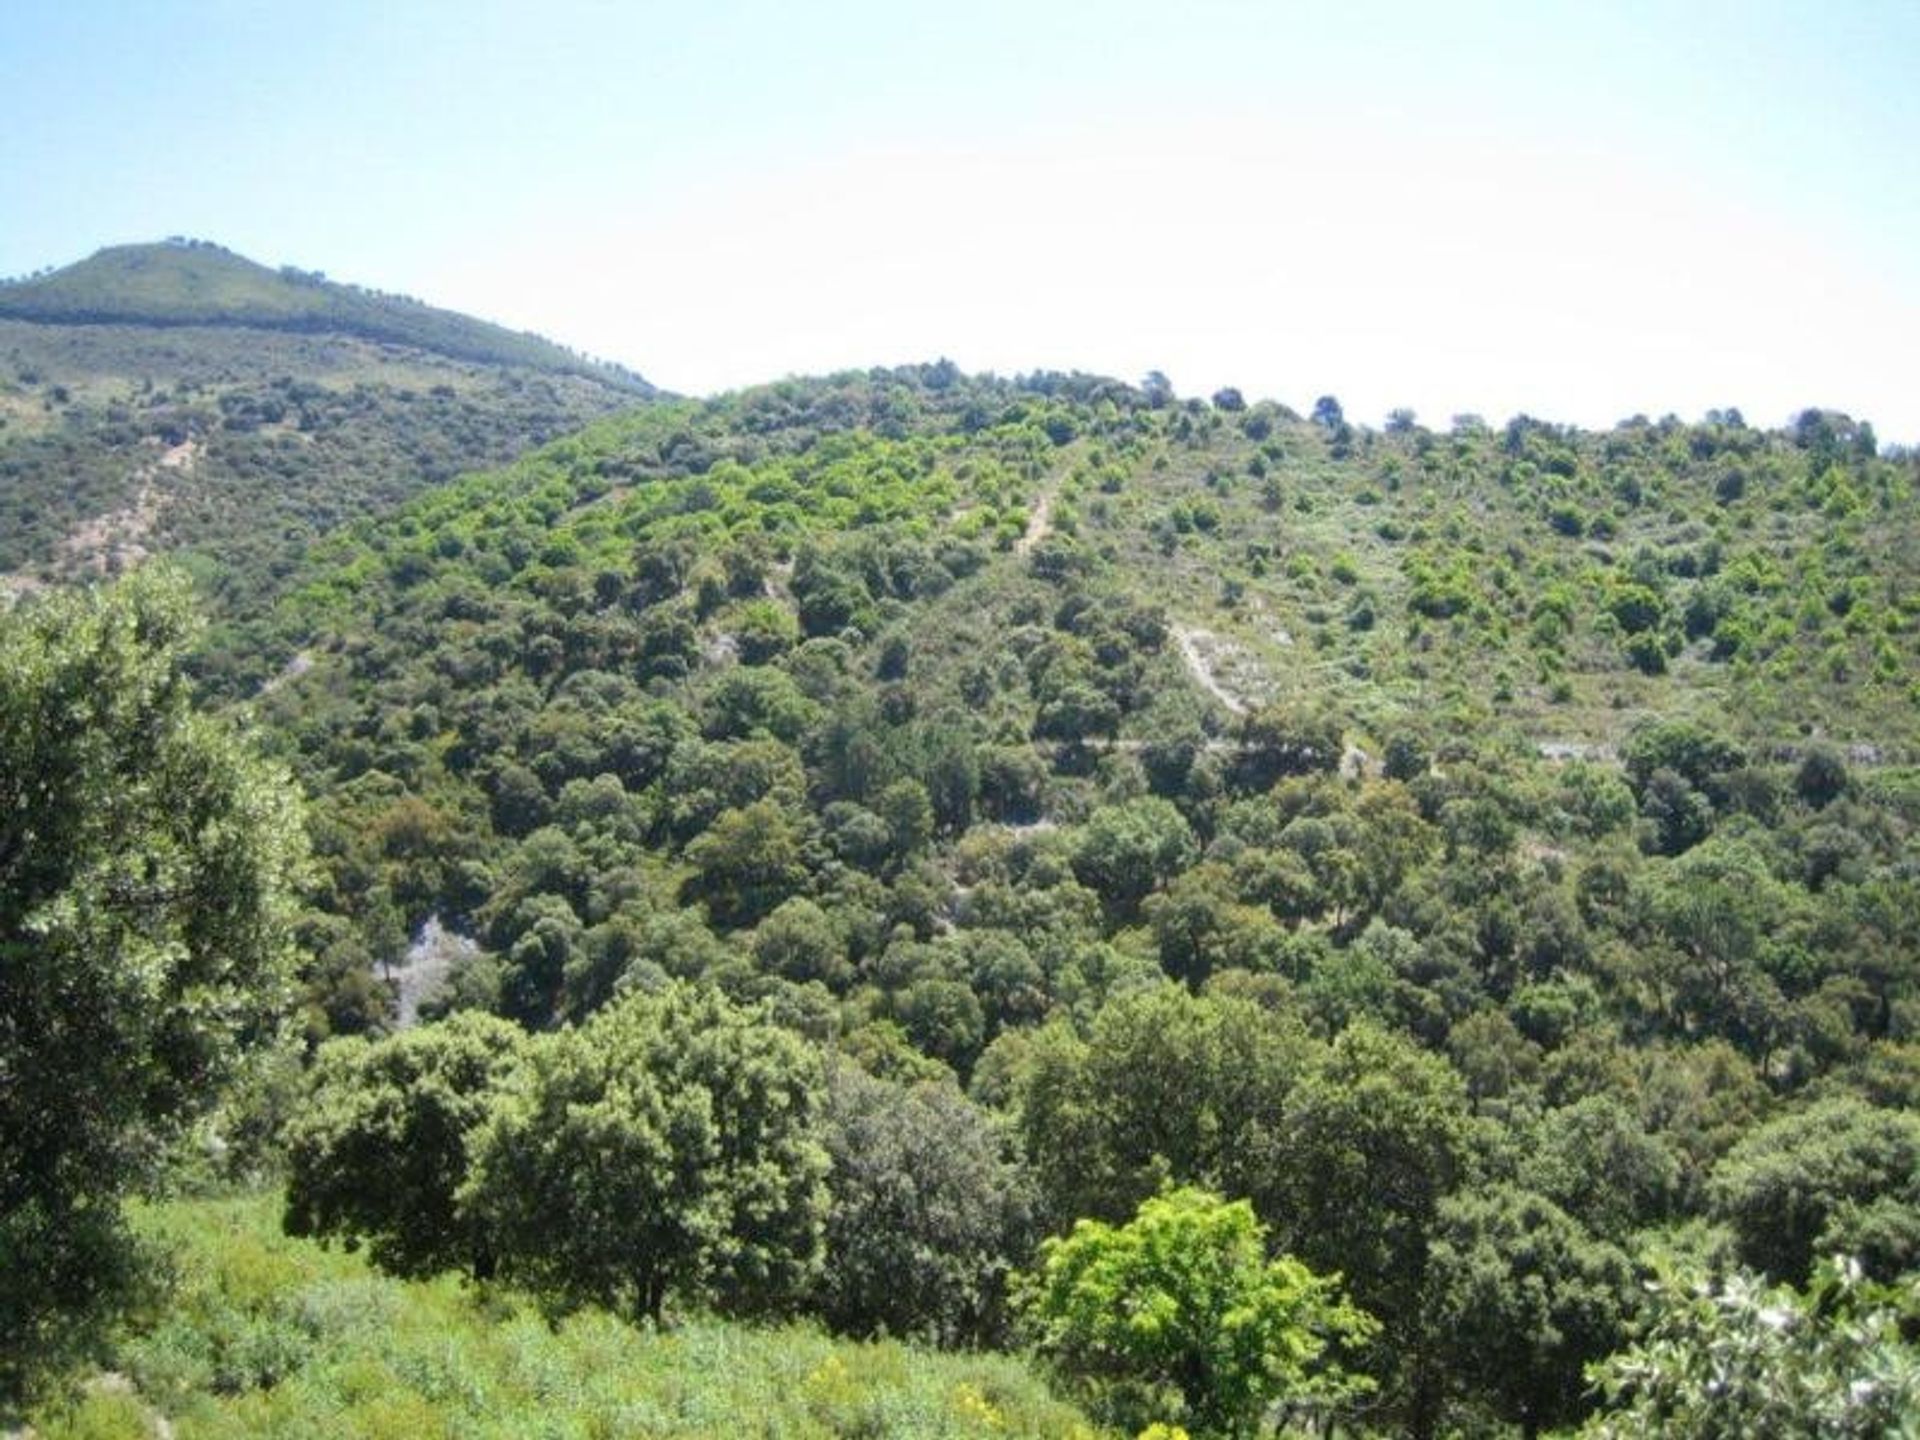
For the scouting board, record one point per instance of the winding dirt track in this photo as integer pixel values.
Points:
(1188, 639)
(1039, 524)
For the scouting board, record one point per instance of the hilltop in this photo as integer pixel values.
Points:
(182, 282)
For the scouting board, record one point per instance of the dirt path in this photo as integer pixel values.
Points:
(183, 456)
(1039, 524)
(777, 583)
(116, 540)
(1576, 750)
(1194, 647)
(1864, 754)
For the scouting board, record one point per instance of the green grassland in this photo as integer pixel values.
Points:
(266, 1336)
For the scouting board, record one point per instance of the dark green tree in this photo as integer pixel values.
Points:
(931, 1211)
(1839, 1175)
(1127, 850)
(749, 860)
(380, 1147)
(147, 857)
(1096, 1118)
(1525, 1299)
(1285, 739)
(668, 1147)
(1377, 1135)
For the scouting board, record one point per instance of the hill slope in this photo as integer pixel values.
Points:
(1019, 599)
(197, 283)
(1490, 853)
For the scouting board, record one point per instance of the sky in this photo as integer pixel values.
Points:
(1576, 211)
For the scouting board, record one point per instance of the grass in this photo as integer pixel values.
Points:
(267, 1336)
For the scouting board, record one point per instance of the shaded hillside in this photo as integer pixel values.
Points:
(199, 283)
(237, 443)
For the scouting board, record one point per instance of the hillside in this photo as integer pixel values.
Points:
(1471, 846)
(1012, 605)
(144, 409)
(199, 283)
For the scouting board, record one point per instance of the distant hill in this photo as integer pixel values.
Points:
(195, 282)
(178, 398)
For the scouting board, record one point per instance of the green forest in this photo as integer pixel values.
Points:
(910, 903)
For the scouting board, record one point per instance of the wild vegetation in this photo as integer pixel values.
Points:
(1291, 924)
(262, 1336)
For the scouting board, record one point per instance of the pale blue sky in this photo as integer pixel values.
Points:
(1581, 211)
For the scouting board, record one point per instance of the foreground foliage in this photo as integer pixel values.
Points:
(1180, 1312)
(930, 1209)
(1741, 1358)
(147, 858)
(270, 1337)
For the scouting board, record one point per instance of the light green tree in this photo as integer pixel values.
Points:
(1179, 1314)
